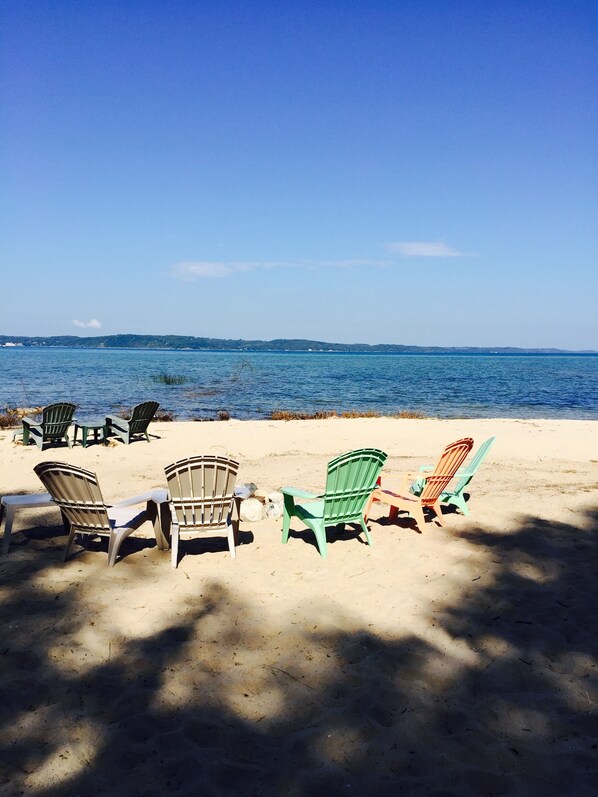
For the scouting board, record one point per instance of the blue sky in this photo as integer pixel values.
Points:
(378, 172)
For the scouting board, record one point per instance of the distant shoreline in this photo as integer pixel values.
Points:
(281, 346)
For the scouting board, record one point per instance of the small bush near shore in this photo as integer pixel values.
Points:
(288, 415)
(10, 417)
(164, 415)
(221, 415)
(170, 379)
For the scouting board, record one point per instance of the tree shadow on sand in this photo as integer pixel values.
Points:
(222, 702)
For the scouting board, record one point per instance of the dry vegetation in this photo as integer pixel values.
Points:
(288, 415)
(10, 417)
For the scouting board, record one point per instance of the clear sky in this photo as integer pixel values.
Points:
(414, 171)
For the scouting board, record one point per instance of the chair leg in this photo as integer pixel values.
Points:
(10, 513)
(368, 507)
(460, 503)
(320, 532)
(366, 531)
(289, 506)
(112, 550)
(69, 542)
(231, 541)
(418, 514)
(159, 514)
(174, 545)
(438, 510)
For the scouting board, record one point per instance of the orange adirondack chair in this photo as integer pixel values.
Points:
(450, 461)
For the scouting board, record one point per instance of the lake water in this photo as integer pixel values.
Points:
(252, 385)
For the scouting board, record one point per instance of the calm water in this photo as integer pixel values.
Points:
(251, 385)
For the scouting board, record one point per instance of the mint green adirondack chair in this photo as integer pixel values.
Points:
(465, 474)
(54, 425)
(127, 428)
(350, 481)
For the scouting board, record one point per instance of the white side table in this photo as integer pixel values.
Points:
(11, 503)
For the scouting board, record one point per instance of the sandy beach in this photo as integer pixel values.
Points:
(457, 661)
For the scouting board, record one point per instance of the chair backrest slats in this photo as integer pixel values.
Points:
(141, 416)
(475, 463)
(56, 419)
(77, 492)
(450, 461)
(349, 483)
(202, 490)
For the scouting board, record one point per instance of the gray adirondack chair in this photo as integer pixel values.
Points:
(456, 496)
(54, 425)
(77, 494)
(202, 495)
(128, 428)
(349, 483)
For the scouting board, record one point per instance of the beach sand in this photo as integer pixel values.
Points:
(457, 661)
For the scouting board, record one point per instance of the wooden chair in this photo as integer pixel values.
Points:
(456, 495)
(402, 501)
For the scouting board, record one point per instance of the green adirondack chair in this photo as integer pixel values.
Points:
(54, 425)
(456, 496)
(349, 484)
(127, 428)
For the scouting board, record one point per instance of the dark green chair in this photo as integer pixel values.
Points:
(54, 425)
(349, 484)
(128, 428)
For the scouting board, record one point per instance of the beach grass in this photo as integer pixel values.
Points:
(291, 415)
(169, 379)
(11, 417)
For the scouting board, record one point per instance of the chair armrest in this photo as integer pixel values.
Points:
(400, 485)
(296, 493)
(464, 472)
(31, 421)
(424, 468)
(112, 420)
(158, 496)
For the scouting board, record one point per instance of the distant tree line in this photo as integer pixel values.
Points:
(280, 344)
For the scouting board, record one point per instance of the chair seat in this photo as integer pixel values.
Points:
(123, 517)
(379, 495)
(315, 510)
